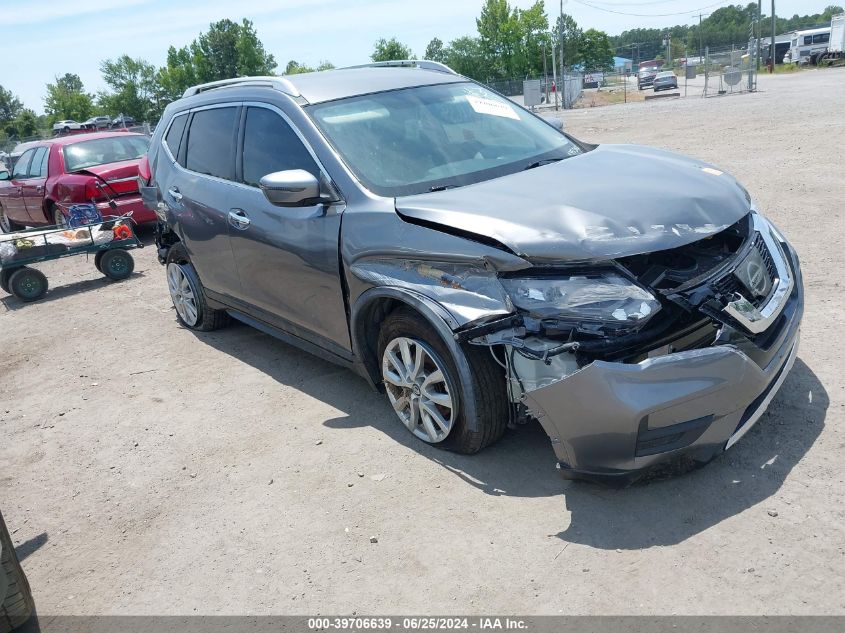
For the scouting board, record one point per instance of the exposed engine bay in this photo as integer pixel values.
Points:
(694, 286)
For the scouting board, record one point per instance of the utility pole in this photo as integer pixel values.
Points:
(546, 72)
(759, 32)
(554, 76)
(700, 47)
(774, 27)
(669, 49)
(562, 88)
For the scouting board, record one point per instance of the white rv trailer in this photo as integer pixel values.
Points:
(807, 44)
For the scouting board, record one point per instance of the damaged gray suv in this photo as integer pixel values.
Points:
(470, 260)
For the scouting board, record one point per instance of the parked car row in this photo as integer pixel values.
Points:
(656, 79)
(94, 123)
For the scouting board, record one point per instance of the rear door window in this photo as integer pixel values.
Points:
(271, 145)
(211, 142)
(22, 166)
(38, 166)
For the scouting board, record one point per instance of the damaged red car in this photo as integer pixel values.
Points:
(54, 174)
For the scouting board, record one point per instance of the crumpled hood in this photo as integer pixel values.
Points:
(613, 201)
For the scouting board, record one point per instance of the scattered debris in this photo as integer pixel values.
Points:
(270, 483)
(379, 477)
(373, 539)
(318, 442)
(773, 513)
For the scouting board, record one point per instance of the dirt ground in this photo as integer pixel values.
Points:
(146, 469)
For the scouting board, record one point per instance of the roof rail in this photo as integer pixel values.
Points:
(410, 63)
(279, 83)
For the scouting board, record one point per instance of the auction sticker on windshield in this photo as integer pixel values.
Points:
(489, 106)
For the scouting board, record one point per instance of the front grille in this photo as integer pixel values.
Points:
(729, 285)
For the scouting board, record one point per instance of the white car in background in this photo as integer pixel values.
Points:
(66, 126)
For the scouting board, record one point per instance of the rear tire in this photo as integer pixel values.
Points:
(17, 605)
(7, 225)
(28, 284)
(485, 384)
(188, 295)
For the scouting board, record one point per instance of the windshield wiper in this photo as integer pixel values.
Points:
(545, 161)
(441, 187)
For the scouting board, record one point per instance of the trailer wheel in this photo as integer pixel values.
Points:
(28, 284)
(98, 257)
(116, 264)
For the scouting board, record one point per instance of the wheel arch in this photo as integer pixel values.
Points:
(47, 207)
(371, 309)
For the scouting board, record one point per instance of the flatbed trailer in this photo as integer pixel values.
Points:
(109, 241)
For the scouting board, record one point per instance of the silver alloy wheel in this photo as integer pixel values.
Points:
(59, 218)
(417, 389)
(5, 223)
(182, 294)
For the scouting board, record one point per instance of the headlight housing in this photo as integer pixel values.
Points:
(604, 299)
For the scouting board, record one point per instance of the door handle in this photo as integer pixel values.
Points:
(238, 219)
(174, 193)
(39, 189)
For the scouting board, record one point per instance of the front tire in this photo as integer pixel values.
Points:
(188, 295)
(429, 394)
(17, 606)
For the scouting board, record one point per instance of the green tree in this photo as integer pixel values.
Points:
(534, 28)
(10, 105)
(294, 67)
(387, 50)
(24, 125)
(499, 36)
(230, 50)
(67, 99)
(177, 74)
(134, 88)
(436, 51)
(464, 56)
(596, 52)
(568, 28)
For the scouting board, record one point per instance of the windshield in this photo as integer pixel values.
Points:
(102, 151)
(427, 138)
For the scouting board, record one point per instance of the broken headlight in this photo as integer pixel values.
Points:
(605, 299)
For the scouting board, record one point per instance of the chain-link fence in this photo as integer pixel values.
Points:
(729, 71)
(571, 85)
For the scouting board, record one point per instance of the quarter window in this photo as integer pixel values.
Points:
(211, 143)
(271, 145)
(808, 39)
(174, 134)
(821, 38)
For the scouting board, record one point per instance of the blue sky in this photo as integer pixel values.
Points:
(45, 38)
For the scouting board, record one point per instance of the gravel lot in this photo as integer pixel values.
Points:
(146, 469)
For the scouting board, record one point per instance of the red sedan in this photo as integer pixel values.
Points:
(54, 174)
